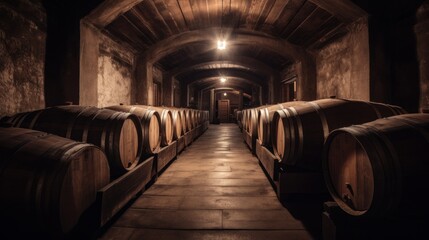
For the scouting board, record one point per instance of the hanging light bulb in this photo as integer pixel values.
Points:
(221, 44)
(224, 94)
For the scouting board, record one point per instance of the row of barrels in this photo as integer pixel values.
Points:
(54, 160)
(125, 133)
(373, 156)
(290, 129)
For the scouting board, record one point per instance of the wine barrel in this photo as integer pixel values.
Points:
(177, 123)
(151, 126)
(199, 115)
(183, 119)
(167, 127)
(4, 121)
(265, 117)
(301, 130)
(184, 113)
(118, 134)
(47, 181)
(4, 118)
(252, 121)
(192, 117)
(379, 168)
(24, 119)
(188, 117)
(244, 119)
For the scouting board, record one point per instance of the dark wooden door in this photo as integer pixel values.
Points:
(289, 91)
(223, 110)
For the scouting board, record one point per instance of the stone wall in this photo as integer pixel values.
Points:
(115, 74)
(22, 55)
(343, 66)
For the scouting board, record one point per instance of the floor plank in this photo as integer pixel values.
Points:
(260, 219)
(212, 182)
(168, 190)
(171, 219)
(212, 202)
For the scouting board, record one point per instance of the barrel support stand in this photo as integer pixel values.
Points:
(180, 144)
(118, 193)
(199, 131)
(250, 141)
(268, 161)
(165, 156)
(206, 125)
(189, 137)
(295, 183)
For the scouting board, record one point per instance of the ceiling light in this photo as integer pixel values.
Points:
(221, 44)
(224, 94)
(222, 79)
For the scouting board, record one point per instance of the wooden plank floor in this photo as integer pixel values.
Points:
(215, 189)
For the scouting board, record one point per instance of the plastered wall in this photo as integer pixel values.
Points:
(22, 56)
(343, 66)
(115, 74)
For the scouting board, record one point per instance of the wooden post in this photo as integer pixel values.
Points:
(88, 71)
(240, 100)
(144, 78)
(168, 90)
(212, 104)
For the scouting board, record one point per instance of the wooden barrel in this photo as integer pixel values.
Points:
(300, 131)
(167, 127)
(47, 181)
(252, 122)
(197, 117)
(24, 119)
(244, 119)
(183, 120)
(177, 122)
(379, 168)
(118, 134)
(4, 121)
(188, 117)
(151, 126)
(265, 117)
(193, 118)
(4, 118)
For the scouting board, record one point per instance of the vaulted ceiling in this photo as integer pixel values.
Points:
(303, 24)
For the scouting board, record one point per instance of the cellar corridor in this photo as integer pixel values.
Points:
(215, 189)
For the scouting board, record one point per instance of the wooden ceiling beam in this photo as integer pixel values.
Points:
(246, 62)
(231, 79)
(109, 10)
(243, 37)
(227, 73)
(345, 10)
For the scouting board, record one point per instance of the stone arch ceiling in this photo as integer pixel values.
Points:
(300, 25)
